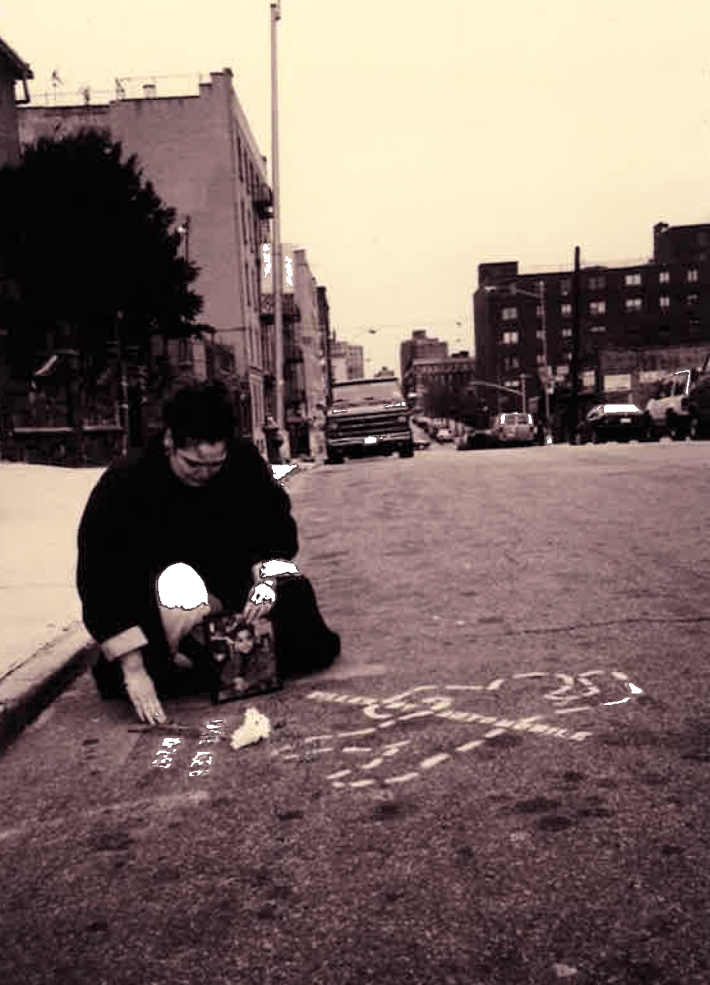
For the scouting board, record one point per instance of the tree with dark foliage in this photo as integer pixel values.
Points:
(88, 255)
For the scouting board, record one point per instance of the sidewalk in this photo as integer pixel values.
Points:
(44, 645)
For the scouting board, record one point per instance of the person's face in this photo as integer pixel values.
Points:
(244, 641)
(197, 462)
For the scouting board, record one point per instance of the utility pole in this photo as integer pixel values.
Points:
(276, 272)
(574, 362)
(546, 378)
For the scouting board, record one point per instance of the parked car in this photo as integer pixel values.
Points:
(612, 422)
(444, 434)
(514, 429)
(667, 411)
(697, 404)
(421, 443)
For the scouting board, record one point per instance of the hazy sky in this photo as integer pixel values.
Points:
(421, 138)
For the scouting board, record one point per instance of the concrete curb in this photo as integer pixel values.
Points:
(36, 683)
(27, 691)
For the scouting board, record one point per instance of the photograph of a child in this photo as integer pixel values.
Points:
(243, 657)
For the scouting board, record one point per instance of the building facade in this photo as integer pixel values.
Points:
(199, 153)
(441, 387)
(654, 305)
(12, 70)
(420, 346)
(347, 361)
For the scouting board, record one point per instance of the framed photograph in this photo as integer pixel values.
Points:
(242, 657)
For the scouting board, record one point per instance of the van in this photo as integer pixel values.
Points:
(667, 410)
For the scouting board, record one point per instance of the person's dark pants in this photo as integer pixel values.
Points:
(304, 644)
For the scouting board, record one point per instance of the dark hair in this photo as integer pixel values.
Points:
(200, 412)
(242, 627)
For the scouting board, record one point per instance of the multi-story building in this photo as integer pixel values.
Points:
(12, 70)
(347, 361)
(199, 153)
(304, 352)
(655, 304)
(441, 386)
(420, 346)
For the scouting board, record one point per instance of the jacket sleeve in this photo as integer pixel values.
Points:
(275, 534)
(112, 579)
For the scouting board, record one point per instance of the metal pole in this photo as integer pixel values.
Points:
(541, 287)
(276, 235)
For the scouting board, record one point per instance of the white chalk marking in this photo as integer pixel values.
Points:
(492, 733)
(353, 735)
(318, 738)
(530, 673)
(494, 685)
(634, 689)
(357, 749)
(389, 724)
(427, 764)
(619, 675)
(569, 711)
(361, 783)
(415, 714)
(463, 687)
(373, 764)
(404, 778)
(338, 775)
(468, 746)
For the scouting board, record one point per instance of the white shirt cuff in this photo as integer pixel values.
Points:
(121, 644)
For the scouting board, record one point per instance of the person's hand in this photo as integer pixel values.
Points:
(141, 689)
(178, 622)
(261, 602)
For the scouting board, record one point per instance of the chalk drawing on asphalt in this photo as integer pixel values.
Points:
(435, 701)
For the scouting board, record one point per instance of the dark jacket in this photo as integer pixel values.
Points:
(140, 518)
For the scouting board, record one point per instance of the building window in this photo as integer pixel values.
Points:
(538, 311)
(691, 300)
(597, 283)
(692, 275)
(509, 314)
(510, 338)
(540, 359)
(567, 356)
(565, 287)
(633, 304)
(598, 328)
(632, 280)
(597, 307)
(664, 301)
(589, 379)
(540, 335)
(664, 277)
(566, 310)
(566, 333)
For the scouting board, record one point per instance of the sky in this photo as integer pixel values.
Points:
(419, 139)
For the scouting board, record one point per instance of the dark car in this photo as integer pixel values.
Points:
(611, 422)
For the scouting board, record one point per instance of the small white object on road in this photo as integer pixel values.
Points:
(253, 729)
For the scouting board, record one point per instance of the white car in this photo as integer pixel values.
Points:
(444, 434)
(514, 429)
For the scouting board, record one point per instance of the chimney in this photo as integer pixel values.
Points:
(150, 91)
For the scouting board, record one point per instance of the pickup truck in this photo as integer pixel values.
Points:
(697, 404)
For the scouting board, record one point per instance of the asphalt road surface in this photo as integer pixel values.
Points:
(503, 780)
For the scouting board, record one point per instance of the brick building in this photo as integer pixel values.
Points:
(201, 156)
(347, 361)
(654, 305)
(442, 387)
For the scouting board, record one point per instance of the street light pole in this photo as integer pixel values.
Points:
(276, 236)
(541, 289)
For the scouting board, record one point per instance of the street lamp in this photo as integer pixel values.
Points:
(276, 236)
